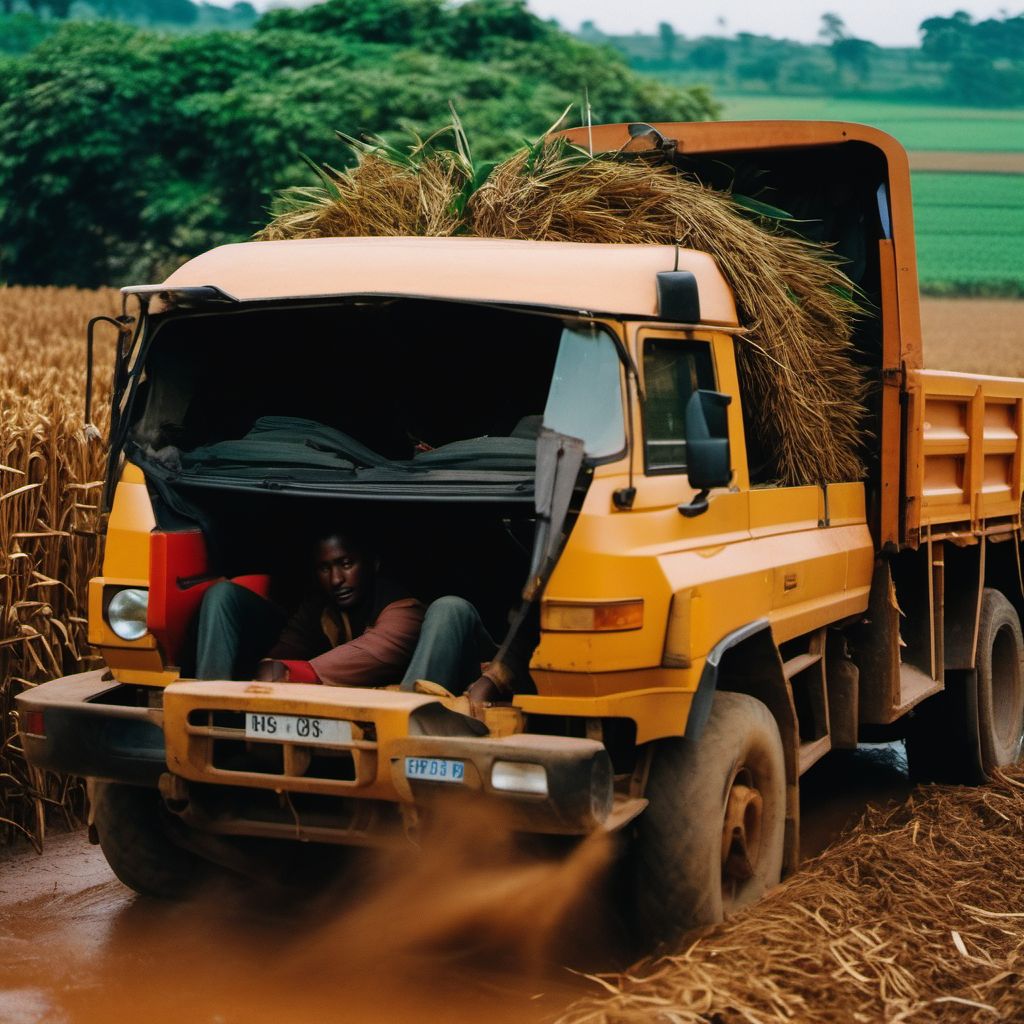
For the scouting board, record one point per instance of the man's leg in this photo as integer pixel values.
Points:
(236, 628)
(451, 646)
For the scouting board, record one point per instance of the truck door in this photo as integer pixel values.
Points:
(672, 366)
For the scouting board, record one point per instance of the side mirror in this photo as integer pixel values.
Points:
(123, 325)
(708, 461)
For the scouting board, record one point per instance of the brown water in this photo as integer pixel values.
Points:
(474, 929)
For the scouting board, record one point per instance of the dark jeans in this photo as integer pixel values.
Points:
(236, 629)
(452, 644)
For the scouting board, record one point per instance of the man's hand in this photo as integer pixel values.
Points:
(270, 671)
(486, 691)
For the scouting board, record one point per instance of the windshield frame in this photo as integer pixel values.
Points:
(132, 367)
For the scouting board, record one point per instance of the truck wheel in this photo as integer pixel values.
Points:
(712, 838)
(976, 724)
(1000, 689)
(134, 835)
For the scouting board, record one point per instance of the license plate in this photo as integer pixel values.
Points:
(435, 769)
(297, 729)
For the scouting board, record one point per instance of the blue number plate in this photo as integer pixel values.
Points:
(435, 769)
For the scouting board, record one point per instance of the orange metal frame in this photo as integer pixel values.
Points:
(965, 453)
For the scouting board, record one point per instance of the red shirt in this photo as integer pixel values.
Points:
(361, 647)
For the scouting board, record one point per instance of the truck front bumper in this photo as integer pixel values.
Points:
(78, 725)
(215, 776)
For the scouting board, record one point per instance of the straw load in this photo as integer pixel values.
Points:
(803, 390)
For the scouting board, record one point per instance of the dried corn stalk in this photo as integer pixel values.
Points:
(49, 546)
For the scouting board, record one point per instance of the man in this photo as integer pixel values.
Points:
(358, 629)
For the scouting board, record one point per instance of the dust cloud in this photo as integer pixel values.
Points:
(469, 926)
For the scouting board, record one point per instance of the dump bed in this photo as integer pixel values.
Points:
(965, 441)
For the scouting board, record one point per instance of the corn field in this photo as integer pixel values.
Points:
(50, 473)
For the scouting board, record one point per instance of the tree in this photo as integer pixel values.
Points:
(1001, 39)
(945, 39)
(766, 68)
(667, 38)
(984, 61)
(833, 28)
(125, 151)
(406, 22)
(710, 54)
(853, 55)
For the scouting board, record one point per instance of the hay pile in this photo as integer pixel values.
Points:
(917, 915)
(805, 391)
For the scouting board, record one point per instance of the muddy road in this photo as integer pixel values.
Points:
(472, 931)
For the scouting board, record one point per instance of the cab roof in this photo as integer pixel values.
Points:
(619, 280)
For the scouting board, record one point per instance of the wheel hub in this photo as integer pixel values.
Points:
(741, 832)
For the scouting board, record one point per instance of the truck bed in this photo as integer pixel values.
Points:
(964, 454)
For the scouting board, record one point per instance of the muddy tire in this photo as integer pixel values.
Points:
(712, 838)
(134, 831)
(1000, 689)
(976, 724)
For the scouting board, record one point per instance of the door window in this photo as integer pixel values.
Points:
(673, 370)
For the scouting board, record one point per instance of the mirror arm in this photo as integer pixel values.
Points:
(697, 507)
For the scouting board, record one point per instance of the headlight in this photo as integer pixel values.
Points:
(519, 777)
(126, 613)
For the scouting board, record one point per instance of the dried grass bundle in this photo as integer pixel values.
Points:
(50, 474)
(796, 362)
(804, 392)
(378, 197)
(917, 915)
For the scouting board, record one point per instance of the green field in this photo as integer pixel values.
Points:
(970, 228)
(918, 126)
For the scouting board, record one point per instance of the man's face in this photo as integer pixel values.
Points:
(342, 572)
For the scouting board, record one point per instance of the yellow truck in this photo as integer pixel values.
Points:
(705, 634)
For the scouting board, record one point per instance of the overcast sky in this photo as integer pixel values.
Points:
(888, 22)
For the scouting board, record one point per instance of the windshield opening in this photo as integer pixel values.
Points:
(371, 390)
(585, 396)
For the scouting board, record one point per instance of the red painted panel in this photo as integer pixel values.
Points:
(175, 557)
(258, 584)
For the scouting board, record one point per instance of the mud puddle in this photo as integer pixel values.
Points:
(472, 931)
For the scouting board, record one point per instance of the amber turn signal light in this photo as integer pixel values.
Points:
(592, 617)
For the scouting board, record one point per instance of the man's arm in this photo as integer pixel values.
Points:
(302, 638)
(380, 655)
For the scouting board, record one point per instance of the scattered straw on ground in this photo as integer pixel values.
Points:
(797, 370)
(917, 915)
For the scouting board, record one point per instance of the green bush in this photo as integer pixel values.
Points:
(125, 151)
